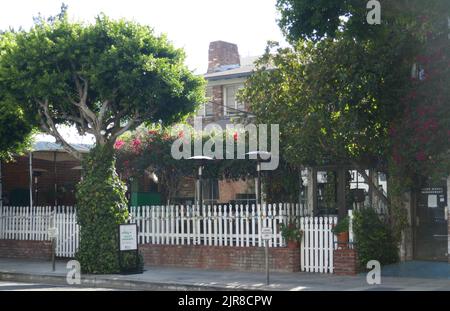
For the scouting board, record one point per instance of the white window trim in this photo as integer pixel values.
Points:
(224, 90)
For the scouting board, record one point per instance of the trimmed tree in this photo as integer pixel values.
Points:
(103, 78)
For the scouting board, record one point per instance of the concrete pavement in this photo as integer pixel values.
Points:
(163, 278)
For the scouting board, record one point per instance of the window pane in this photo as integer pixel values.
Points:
(209, 105)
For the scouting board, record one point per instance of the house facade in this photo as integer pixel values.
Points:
(226, 75)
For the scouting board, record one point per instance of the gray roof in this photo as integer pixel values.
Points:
(230, 72)
(49, 146)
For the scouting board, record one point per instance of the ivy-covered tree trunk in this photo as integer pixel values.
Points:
(102, 205)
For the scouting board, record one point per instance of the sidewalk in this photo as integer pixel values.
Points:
(163, 278)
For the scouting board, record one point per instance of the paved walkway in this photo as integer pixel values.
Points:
(161, 278)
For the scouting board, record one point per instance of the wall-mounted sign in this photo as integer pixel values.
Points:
(128, 237)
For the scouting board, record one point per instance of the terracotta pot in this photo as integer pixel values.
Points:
(343, 239)
(293, 244)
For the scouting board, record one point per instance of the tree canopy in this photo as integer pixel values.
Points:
(347, 92)
(105, 78)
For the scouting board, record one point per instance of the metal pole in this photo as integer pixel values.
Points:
(31, 178)
(200, 191)
(55, 179)
(267, 261)
(259, 195)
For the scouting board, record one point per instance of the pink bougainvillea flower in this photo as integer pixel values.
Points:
(136, 144)
(119, 144)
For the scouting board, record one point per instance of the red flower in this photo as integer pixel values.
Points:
(153, 132)
(181, 134)
(235, 136)
(119, 144)
(136, 144)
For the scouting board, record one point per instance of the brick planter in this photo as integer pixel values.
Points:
(41, 250)
(221, 257)
(345, 261)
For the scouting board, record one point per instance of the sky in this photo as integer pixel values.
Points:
(189, 24)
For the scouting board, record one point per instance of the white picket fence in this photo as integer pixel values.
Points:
(217, 225)
(25, 223)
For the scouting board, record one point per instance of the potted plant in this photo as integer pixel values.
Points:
(341, 230)
(291, 234)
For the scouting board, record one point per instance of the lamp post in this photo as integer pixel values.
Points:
(200, 160)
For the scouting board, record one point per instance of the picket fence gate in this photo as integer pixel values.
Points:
(217, 225)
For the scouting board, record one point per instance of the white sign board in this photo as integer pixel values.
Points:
(128, 237)
(266, 233)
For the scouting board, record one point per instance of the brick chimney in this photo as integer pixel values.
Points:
(222, 53)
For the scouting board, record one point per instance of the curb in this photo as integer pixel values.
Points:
(96, 282)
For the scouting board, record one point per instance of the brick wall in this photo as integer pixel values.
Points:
(345, 261)
(25, 249)
(222, 258)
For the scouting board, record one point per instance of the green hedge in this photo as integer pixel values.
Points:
(374, 238)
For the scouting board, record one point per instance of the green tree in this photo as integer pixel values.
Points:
(15, 130)
(344, 85)
(104, 78)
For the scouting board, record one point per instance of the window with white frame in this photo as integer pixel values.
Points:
(231, 104)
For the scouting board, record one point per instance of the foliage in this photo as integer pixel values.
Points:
(319, 19)
(374, 238)
(344, 92)
(342, 226)
(149, 150)
(331, 98)
(102, 206)
(104, 78)
(290, 232)
(15, 130)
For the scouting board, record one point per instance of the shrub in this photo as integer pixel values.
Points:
(102, 206)
(290, 232)
(374, 238)
(342, 226)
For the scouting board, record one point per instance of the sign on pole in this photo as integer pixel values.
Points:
(266, 233)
